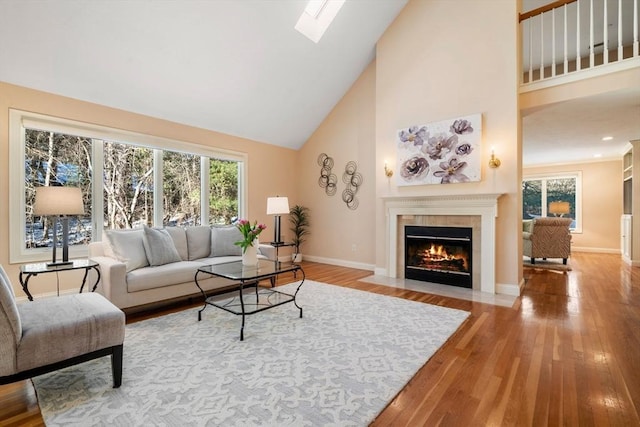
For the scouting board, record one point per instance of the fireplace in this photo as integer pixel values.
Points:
(439, 255)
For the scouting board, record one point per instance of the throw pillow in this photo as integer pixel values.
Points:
(198, 242)
(159, 247)
(179, 236)
(127, 246)
(223, 239)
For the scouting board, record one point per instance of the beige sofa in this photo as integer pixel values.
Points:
(147, 265)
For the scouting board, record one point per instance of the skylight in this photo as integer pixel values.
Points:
(317, 17)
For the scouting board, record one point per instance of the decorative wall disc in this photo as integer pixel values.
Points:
(353, 179)
(327, 179)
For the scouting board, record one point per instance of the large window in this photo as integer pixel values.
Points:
(145, 180)
(557, 195)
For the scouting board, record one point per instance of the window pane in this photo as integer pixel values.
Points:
(531, 199)
(181, 185)
(56, 159)
(562, 190)
(223, 191)
(128, 185)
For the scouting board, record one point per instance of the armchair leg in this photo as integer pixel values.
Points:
(116, 366)
(533, 260)
(564, 261)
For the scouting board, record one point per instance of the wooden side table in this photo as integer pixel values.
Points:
(29, 270)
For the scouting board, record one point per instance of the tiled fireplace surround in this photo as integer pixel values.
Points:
(477, 211)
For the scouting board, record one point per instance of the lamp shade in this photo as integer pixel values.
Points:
(277, 205)
(58, 201)
(559, 208)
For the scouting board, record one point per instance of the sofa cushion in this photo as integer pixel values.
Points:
(159, 247)
(179, 237)
(162, 275)
(223, 240)
(198, 241)
(127, 246)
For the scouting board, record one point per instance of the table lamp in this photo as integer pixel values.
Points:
(60, 202)
(277, 206)
(559, 208)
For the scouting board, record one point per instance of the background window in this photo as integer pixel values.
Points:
(539, 192)
(56, 159)
(181, 184)
(128, 186)
(140, 179)
(223, 191)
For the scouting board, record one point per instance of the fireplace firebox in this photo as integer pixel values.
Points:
(438, 255)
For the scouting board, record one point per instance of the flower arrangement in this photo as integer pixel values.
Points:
(249, 233)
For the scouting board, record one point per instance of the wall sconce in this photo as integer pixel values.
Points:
(494, 162)
(387, 172)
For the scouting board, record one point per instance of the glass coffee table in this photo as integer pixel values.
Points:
(246, 277)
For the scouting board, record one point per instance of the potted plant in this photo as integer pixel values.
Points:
(299, 219)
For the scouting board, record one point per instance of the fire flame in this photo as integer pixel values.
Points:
(438, 252)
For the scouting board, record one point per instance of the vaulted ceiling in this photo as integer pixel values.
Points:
(240, 67)
(234, 66)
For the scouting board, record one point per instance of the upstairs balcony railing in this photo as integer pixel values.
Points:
(569, 36)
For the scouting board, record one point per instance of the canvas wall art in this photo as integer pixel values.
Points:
(444, 152)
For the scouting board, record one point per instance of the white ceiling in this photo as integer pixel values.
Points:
(239, 67)
(234, 66)
(572, 131)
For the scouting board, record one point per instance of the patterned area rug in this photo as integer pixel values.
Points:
(339, 365)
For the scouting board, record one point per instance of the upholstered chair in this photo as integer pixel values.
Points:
(48, 334)
(547, 237)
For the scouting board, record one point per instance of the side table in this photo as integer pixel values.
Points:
(29, 270)
(279, 245)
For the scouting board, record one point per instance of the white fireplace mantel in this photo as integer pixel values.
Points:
(483, 205)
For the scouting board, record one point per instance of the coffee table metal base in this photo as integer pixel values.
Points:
(247, 303)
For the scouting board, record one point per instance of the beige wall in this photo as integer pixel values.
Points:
(271, 170)
(338, 234)
(441, 59)
(601, 203)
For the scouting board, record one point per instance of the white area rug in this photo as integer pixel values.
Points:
(339, 365)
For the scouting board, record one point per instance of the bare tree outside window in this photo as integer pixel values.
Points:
(128, 186)
(181, 188)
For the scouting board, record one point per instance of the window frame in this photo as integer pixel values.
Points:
(577, 175)
(19, 120)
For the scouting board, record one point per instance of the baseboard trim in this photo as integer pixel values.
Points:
(509, 289)
(596, 250)
(340, 262)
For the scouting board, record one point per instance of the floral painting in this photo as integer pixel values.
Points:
(445, 152)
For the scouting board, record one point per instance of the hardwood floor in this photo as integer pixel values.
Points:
(566, 353)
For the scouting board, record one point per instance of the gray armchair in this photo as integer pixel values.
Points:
(547, 237)
(52, 333)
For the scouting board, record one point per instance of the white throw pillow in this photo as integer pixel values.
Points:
(127, 246)
(159, 247)
(223, 239)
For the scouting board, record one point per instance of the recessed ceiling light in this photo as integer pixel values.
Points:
(607, 138)
(597, 156)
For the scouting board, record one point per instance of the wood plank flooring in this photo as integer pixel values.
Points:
(566, 353)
